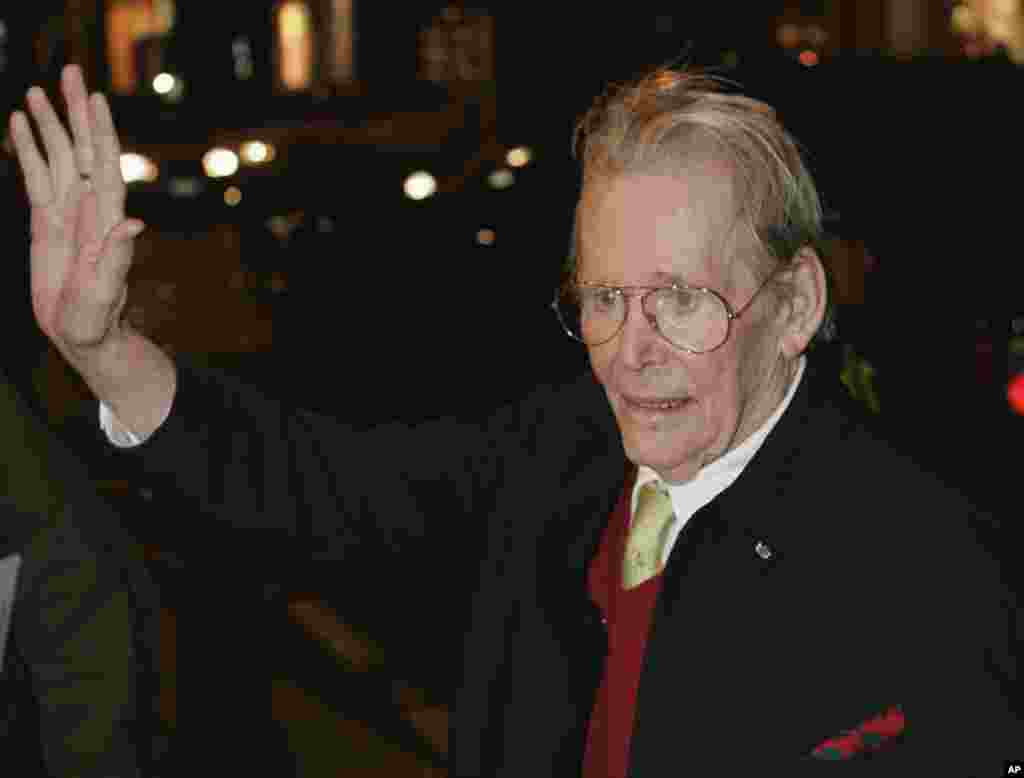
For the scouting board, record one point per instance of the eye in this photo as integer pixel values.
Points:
(682, 301)
(600, 298)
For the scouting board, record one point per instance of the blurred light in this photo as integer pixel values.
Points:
(1000, 17)
(486, 237)
(185, 187)
(343, 31)
(519, 156)
(992, 23)
(135, 168)
(220, 163)
(788, 35)
(973, 49)
(817, 36)
(808, 58)
(242, 52)
(232, 196)
(163, 15)
(163, 83)
(420, 185)
(295, 45)
(963, 19)
(256, 152)
(1015, 394)
(282, 225)
(502, 178)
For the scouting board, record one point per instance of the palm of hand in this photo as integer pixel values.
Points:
(70, 296)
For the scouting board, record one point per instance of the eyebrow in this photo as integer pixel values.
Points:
(659, 276)
(672, 277)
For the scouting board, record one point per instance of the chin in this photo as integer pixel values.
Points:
(663, 450)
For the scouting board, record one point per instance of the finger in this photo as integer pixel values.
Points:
(58, 146)
(112, 258)
(33, 166)
(88, 230)
(107, 179)
(124, 232)
(77, 99)
(128, 229)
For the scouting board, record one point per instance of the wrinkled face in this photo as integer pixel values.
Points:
(649, 230)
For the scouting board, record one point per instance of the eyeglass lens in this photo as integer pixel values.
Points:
(692, 319)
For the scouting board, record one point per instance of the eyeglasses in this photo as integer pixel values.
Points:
(693, 318)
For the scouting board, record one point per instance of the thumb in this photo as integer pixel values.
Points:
(121, 233)
(126, 230)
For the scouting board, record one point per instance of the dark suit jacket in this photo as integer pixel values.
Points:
(877, 593)
(78, 687)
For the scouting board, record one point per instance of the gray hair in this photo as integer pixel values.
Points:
(669, 118)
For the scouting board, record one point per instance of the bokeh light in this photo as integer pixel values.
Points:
(788, 35)
(1015, 394)
(420, 185)
(808, 58)
(519, 156)
(220, 163)
(256, 152)
(502, 178)
(138, 168)
(232, 196)
(163, 83)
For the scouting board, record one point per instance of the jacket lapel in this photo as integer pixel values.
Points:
(725, 594)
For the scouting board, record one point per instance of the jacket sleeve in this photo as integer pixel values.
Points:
(309, 484)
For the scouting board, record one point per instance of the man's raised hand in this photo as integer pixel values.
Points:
(81, 241)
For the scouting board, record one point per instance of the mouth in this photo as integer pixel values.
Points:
(656, 405)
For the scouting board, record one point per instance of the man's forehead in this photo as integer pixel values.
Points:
(653, 228)
(692, 183)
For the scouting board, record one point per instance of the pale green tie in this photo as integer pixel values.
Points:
(647, 534)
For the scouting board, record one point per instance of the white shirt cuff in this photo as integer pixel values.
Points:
(117, 433)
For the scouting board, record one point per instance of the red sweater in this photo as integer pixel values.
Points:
(627, 616)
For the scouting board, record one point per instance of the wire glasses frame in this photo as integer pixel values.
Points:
(644, 292)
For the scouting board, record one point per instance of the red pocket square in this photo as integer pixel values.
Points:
(868, 736)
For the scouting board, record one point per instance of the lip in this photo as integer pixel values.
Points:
(642, 405)
(634, 399)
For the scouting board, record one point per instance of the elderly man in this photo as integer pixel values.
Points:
(695, 559)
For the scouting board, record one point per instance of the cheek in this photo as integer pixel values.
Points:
(601, 358)
(711, 374)
(716, 387)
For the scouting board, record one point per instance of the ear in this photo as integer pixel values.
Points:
(805, 306)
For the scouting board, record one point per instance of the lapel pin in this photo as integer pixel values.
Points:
(763, 550)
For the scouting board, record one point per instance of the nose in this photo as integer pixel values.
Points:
(639, 343)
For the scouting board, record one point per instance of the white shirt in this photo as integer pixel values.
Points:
(118, 433)
(713, 479)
